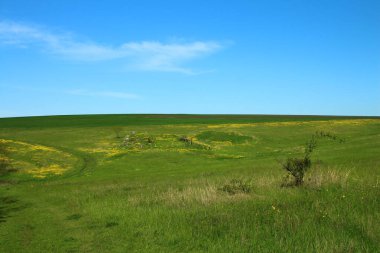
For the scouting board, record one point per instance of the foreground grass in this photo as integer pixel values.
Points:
(169, 196)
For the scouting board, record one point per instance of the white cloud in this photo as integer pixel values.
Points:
(145, 55)
(110, 94)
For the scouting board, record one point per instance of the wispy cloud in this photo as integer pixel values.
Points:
(144, 55)
(109, 94)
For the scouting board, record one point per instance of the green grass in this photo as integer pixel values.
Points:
(75, 187)
(234, 138)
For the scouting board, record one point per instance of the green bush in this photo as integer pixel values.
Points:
(297, 167)
(186, 139)
(151, 140)
(236, 186)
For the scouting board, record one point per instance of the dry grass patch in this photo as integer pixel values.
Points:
(319, 177)
(204, 195)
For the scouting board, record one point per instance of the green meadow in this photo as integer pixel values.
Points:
(188, 183)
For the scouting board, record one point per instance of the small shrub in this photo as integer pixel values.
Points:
(151, 140)
(186, 139)
(297, 167)
(236, 186)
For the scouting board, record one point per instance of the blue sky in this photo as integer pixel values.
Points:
(233, 57)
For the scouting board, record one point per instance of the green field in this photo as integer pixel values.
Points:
(76, 184)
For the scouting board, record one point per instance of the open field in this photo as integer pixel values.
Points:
(76, 184)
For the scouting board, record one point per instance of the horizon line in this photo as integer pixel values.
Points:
(195, 114)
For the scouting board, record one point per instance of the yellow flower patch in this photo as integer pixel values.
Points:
(108, 152)
(53, 169)
(29, 146)
(37, 160)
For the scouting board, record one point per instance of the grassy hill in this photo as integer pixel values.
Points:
(188, 183)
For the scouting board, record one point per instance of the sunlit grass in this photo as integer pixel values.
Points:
(80, 189)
